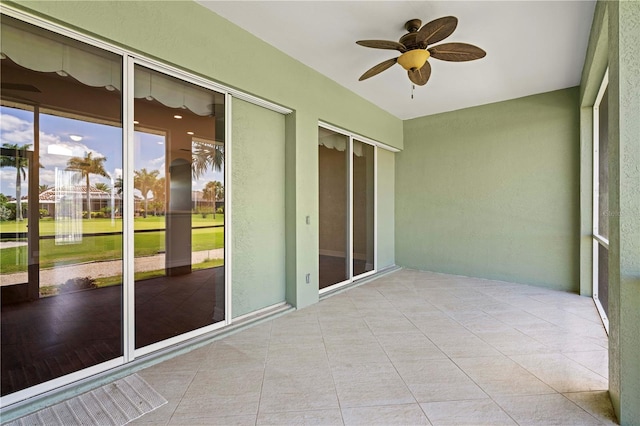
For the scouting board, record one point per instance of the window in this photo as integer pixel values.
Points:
(346, 168)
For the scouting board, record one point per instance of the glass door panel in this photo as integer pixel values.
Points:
(62, 286)
(179, 207)
(333, 167)
(363, 207)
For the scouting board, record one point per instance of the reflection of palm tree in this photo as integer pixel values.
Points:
(119, 183)
(20, 162)
(145, 181)
(206, 155)
(88, 166)
(102, 187)
(213, 191)
(159, 195)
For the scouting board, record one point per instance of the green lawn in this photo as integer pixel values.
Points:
(106, 247)
(47, 225)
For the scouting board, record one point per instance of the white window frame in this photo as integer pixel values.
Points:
(598, 240)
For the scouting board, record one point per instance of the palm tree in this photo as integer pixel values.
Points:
(213, 191)
(118, 185)
(102, 187)
(159, 195)
(16, 158)
(88, 166)
(144, 181)
(206, 155)
(42, 188)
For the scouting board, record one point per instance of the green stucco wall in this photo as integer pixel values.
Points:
(386, 208)
(257, 176)
(492, 191)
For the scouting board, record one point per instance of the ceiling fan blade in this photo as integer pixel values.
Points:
(383, 44)
(421, 76)
(20, 87)
(456, 52)
(377, 69)
(436, 30)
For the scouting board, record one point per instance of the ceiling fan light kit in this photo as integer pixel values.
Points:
(416, 49)
(413, 59)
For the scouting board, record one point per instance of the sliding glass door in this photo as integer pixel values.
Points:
(178, 182)
(60, 210)
(112, 211)
(346, 172)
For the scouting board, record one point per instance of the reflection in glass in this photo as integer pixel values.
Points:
(179, 207)
(333, 164)
(603, 277)
(61, 240)
(363, 207)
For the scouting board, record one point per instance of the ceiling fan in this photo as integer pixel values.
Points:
(416, 47)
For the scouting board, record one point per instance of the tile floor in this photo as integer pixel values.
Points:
(409, 348)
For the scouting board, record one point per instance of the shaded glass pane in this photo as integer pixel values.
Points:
(333, 158)
(363, 207)
(61, 266)
(179, 207)
(603, 278)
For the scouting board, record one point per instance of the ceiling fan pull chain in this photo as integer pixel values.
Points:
(413, 87)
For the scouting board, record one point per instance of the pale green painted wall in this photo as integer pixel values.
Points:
(257, 176)
(386, 208)
(492, 191)
(187, 35)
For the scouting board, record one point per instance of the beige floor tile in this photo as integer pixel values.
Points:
(355, 353)
(502, 376)
(476, 412)
(562, 373)
(513, 342)
(597, 403)
(311, 418)
(375, 391)
(213, 420)
(552, 409)
(384, 325)
(438, 380)
(409, 347)
(470, 346)
(405, 414)
(298, 392)
(596, 361)
(204, 404)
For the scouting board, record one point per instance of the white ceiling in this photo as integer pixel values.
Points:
(532, 46)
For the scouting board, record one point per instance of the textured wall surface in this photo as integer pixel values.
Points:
(492, 191)
(258, 215)
(386, 208)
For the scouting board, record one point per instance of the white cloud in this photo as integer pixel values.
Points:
(10, 123)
